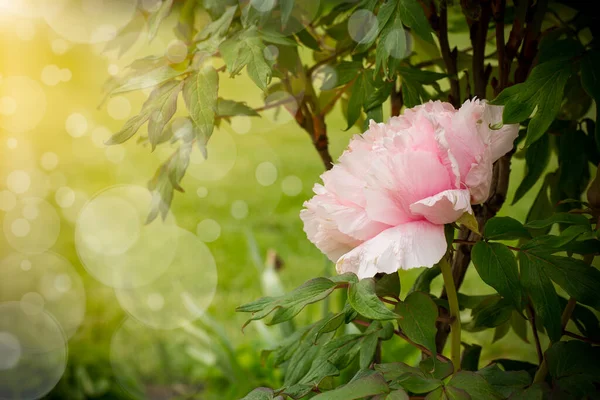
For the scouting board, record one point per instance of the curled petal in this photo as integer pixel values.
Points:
(325, 235)
(445, 207)
(411, 245)
(501, 139)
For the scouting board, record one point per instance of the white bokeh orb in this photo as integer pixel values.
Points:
(291, 185)
(33, 352)
(363, 26)
(47, 282)
(89, 21)
(32, 226)
(116, 245)
(208, 230)
(181, 294)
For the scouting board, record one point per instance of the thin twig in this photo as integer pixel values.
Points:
(449, 56)
(582, 338)
(536, 337)
(399, 333)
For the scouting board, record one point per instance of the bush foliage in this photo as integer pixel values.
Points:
(538, 58)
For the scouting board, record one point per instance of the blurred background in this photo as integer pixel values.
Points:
(148, 311)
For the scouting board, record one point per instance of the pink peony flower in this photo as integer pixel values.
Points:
(383, 206)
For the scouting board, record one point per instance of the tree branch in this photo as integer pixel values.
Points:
(440, 26)
(582, 338)
(478, 35)
(534, 18)
(397, 101)
(536, 336)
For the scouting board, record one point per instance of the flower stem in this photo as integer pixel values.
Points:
(454, 313)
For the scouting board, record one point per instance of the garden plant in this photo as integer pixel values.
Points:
(422, 185)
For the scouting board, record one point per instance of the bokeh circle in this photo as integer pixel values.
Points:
(51, 277)
(116, 245)
(32, 226)
(181, 294)
(89, 21)
(33, 350)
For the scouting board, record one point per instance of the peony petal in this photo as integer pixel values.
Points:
(325, 235)
(501, 140)
(479, 179)
(411, 245)
(445, 207)
(407, 178)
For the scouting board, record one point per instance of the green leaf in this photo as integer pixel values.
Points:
(398, 394)
(553, 243)
(497, 267)
(537, 391)
(287, 6)
(505, 228)
(364, 300)
(542, 294)
(158, 98)
(558, 218)
(519, 325)
(388, 285)
(542, 91)
(220, 26)
(277, 38)
(419, 314)
(158, 17)
(231, 108)
(148, 79)
(469, 221)
(423, 281)
(585, 320)
(367, 386)
(200, 92)
(358, 96)
(492, 312)
(501, 331)
(396, 370)
(536, 160)
(413, 16)
(367, 351)
(420, 75)
(290, 304)
(474, 384)
(341, 74)
(167, 179)
(258, 69)
(578, 279)
(418, 383)
(573, 358)
(435, 368)
(470, 358)
(413, 93)
(247, 50)
(335, 321)
(505, 383)
(260, 394)
(165, 108)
